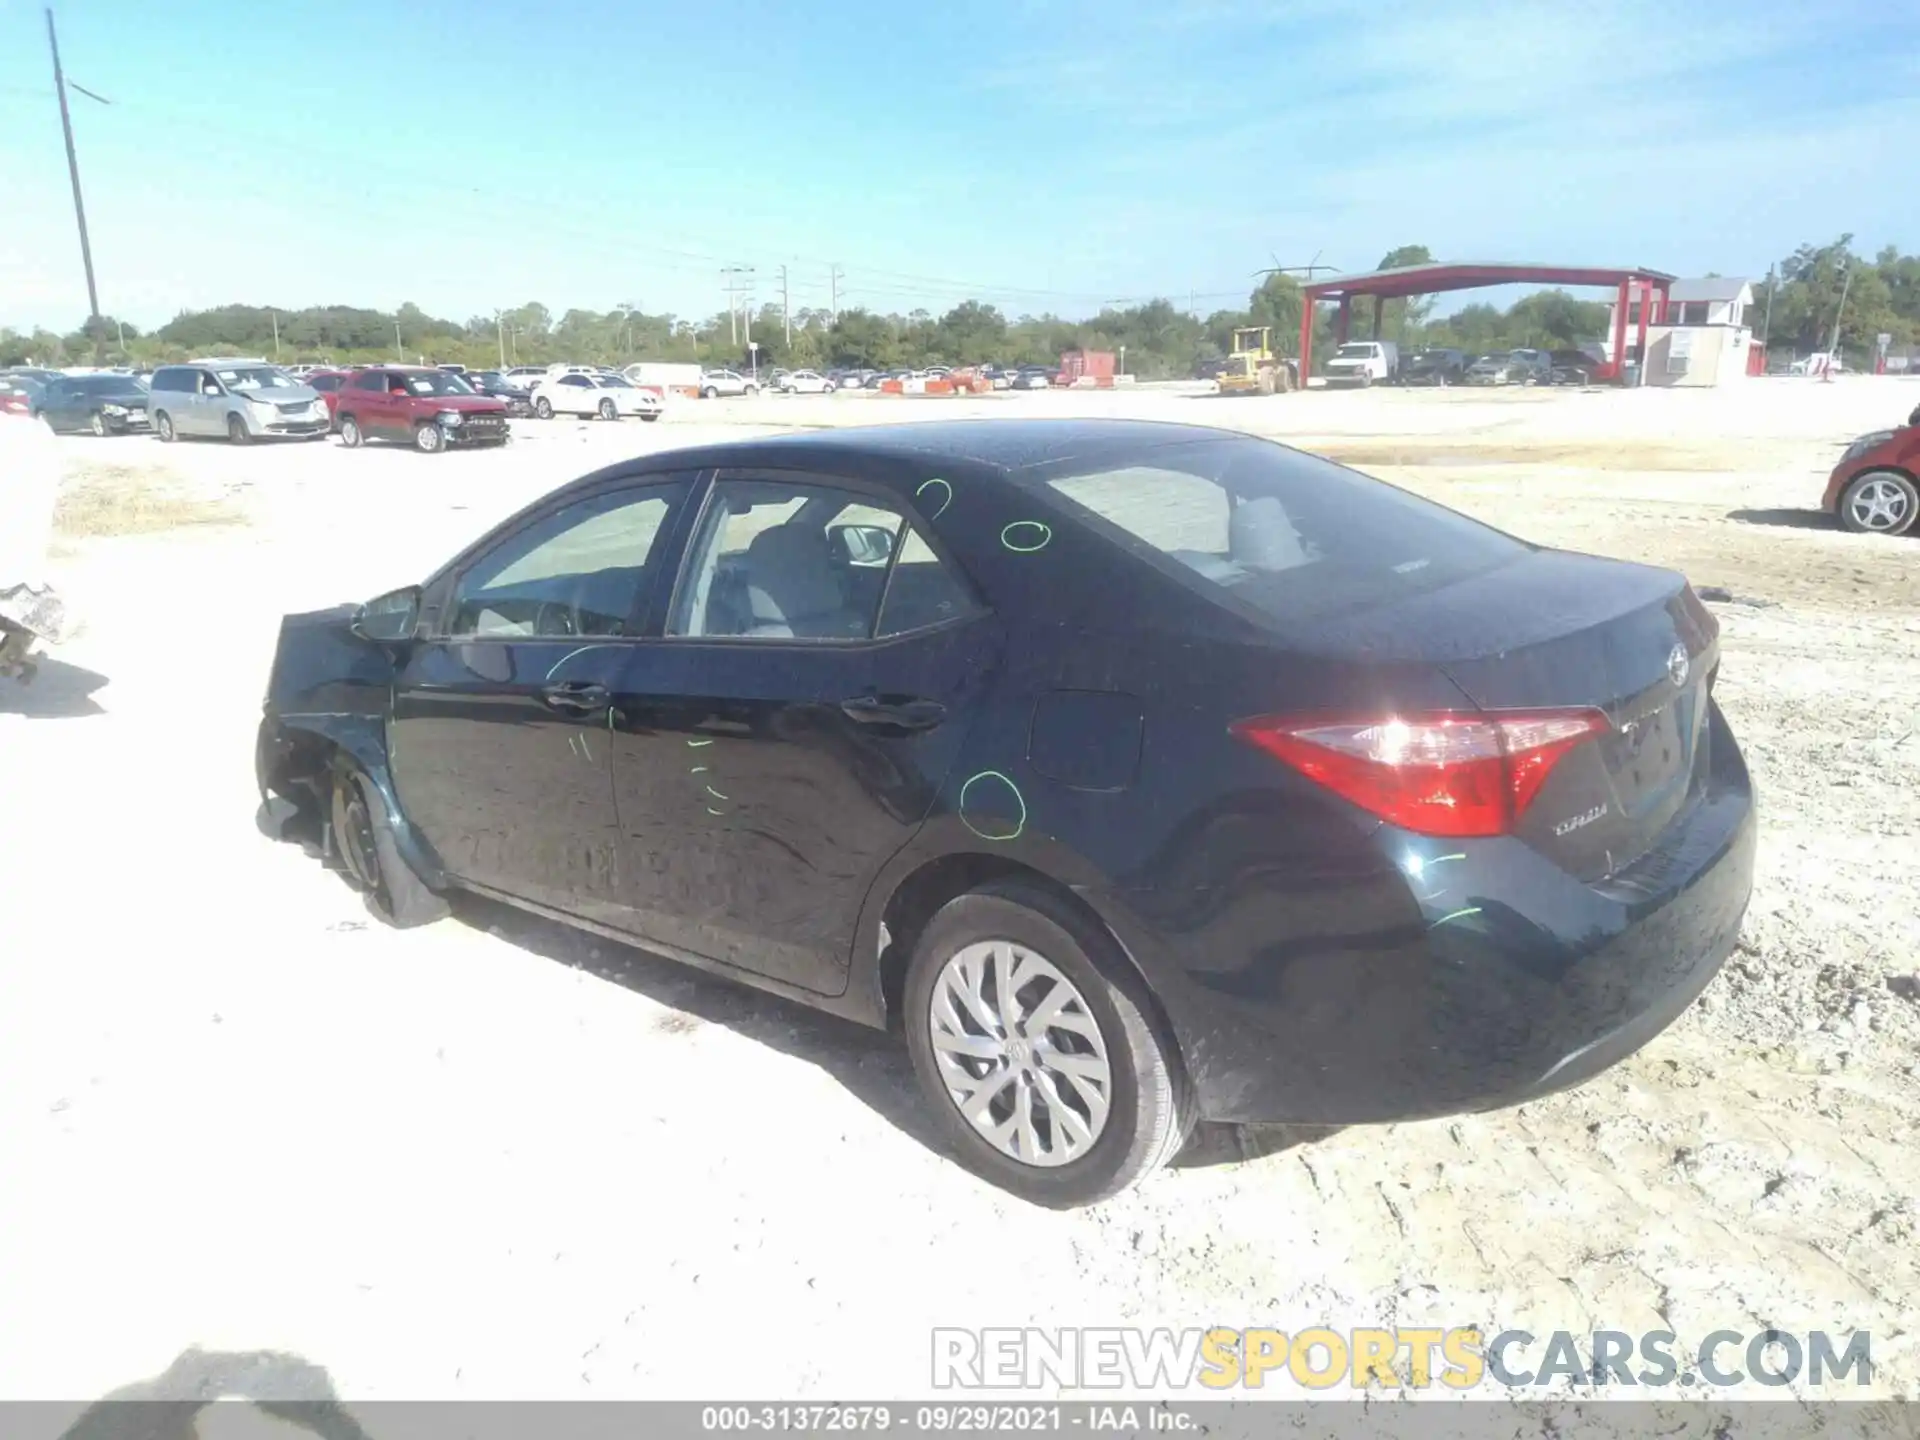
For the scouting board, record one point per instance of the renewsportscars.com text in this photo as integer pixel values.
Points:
(1460, 1358)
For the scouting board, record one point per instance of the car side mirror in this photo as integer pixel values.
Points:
(862, 544)
(390, 618)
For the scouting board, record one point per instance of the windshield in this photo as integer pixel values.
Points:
(1498, 357)
(1281, 535)
(1354, 352)
(255, 377)
(108, 385)
(435, 382)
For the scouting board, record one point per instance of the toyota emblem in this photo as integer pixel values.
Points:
(1677, 664)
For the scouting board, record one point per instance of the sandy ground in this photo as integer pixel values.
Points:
(495, 1158)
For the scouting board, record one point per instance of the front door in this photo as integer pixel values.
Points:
(499, 742)
(811, 694)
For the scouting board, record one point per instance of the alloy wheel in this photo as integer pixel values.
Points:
(1880, 504)
(1020, 1053)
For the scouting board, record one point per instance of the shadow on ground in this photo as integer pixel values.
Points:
(872, 1065)
(1789, 519)
(168, 1406)
(59, 691)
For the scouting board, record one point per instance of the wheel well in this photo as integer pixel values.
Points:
(919, 897)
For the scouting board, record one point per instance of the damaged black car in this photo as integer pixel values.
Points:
(1137, 773)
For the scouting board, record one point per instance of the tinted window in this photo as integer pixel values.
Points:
(369, 380)
(921, 591)
(787, 560)
(576, 380)
(579, 570)
(325, 383)
(172, 380)
(1284, 534)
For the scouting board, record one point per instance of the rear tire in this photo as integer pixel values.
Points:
(709, 393)
(1148, 1112)
(237, 431)
(609, 411)
(350, 435)
(363, 838)
(543, 407)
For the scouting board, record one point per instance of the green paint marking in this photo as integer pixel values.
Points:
(1012, 788)
(1026, 545)
(696, 744)
(716, 794)
(1456, 915)
(946, 489)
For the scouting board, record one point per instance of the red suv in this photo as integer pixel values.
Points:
(1876, 485)
(431, 408)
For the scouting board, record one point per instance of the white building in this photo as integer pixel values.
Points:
(1702, 338)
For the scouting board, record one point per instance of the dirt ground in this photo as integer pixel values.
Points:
(496, 1158)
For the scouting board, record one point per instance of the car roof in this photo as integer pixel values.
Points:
(999, 443)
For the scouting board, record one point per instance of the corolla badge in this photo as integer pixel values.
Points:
(1677, 665)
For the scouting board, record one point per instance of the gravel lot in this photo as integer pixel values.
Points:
(495, 1158)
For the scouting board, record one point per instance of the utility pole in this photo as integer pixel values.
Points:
(833, 280)
(1766, 325)
(274, 315)
(500, 334)
(398, 353)
(786, 307)
(734, 291)
(1845, 281)
(73, 173)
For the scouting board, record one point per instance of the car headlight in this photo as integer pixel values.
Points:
(1866, 443)
(449, 418)
(113, 409)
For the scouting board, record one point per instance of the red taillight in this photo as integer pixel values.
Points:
(1437, 774)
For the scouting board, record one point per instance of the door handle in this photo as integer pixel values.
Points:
(580, 696)
(901, 714)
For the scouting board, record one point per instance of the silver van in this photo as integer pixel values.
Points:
(241, 399)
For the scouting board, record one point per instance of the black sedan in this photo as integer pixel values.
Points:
(1137, 772)
(101, 404)
(519, 402)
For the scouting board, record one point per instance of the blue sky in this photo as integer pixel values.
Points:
(1052, 155)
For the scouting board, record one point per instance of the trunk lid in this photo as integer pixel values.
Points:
(1559, 630)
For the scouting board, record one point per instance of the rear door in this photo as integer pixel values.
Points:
(818, 674)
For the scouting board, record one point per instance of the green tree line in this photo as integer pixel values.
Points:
(1159, 340)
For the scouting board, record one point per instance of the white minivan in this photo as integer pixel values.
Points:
(1364, 362)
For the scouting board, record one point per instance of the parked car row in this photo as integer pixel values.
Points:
(1379, 362)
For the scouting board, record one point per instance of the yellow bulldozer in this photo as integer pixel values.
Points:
(1253, 368)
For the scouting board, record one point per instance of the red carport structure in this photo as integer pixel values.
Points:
(1630, 284)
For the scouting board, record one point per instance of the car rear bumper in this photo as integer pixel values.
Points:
(1481, 976)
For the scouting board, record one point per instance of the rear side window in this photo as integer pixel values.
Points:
(174, 379)
(1283, 535)
(369, 380)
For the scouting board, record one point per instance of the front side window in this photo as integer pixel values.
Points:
(1283, 535)
(792, 560)
(577, 571)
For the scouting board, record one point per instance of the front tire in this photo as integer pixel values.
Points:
(1879, 502)
(237, 431)
(163, 427)
(543, 407)
(1081, 1106)
(429, 439)
(350, 435)
(363, 838)
(98, 424)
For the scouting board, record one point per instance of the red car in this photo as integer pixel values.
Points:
(1876, 486)
(431, 408)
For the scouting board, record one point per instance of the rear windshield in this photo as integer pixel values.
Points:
(1282, 535)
